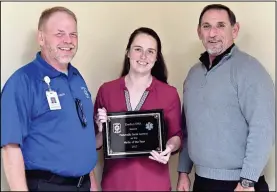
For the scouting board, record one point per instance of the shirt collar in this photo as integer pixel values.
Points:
(204, 58)
(48, 70)
(151, 87)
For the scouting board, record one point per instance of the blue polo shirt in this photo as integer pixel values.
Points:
(52, 140)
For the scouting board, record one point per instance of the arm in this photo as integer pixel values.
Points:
(14, 124)
(184, 168)
(256, 99)
(99, 140)
(93, 181)
(185, 164)
(98, 104)
(173, 121)
(174, 143)
(174, 133)
(14, 167)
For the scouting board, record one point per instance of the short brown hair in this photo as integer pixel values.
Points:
(230, 13)
(45, 15)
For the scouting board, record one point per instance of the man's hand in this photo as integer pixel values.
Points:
(183, 182)
(162, 157)
(240, 188)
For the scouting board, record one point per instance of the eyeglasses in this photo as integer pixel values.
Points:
(80, 111)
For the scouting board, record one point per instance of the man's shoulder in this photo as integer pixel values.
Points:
(196, 67)
(21, 79)
(24, 72)
(249, 67)
(245, 60)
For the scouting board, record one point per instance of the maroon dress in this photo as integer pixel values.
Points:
(139, 174)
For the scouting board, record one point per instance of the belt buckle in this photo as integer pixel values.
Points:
(80, 181)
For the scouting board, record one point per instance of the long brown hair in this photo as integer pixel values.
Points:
(159, 70)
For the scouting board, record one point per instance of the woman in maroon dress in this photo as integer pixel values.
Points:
(142, 86)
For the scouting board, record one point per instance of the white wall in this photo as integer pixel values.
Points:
(104, 29)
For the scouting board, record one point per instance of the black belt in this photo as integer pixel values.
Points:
(57, 179)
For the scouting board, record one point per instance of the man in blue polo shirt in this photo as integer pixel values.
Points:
(47, 138)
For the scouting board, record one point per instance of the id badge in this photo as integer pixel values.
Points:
(53, 100)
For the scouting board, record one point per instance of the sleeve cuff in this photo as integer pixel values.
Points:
(185, 163)
(185, 168)
(250, 174)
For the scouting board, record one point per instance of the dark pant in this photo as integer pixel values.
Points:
(202, 184)
(45, 181)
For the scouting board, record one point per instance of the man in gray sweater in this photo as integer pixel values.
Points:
(228, 110)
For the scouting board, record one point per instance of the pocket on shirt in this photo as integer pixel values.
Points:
(41, 109)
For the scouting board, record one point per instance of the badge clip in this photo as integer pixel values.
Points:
(52, 96)
(47, 81)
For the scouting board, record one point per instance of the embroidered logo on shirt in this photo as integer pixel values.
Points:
(85, 92)
(61, 94)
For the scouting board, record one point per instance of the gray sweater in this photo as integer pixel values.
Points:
(229, 113)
